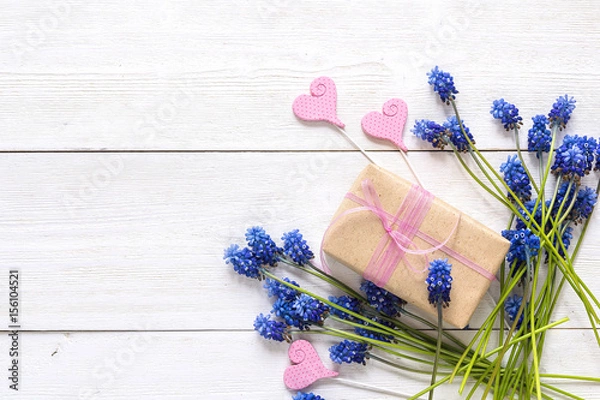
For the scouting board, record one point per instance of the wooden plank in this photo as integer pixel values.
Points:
(80, 76)
(117, 241)
(227, 365)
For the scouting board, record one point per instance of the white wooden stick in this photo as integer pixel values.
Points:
(411, 168)
(356, 145)
(372, 388)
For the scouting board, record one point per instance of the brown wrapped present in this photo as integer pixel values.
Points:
(388, 230)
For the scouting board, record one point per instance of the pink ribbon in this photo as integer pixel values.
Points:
(400, 231)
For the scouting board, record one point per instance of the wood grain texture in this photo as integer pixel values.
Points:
(144, 247)
(137, 140)
(227, 365)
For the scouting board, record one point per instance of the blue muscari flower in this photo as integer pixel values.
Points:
(537, 215)
(382, 337)
(262, 245)
(566, 239)
(523, 242)
(347, 302)
(307, 396)
(271, 329)
(310, 309)
(561, 111)
(572, 158)
(348, 352)
(507, 113)
(539, 137)
(284, 309)
(439, 282)
(584, 204)
(279, 290)
(296, 248)
(597, 167)
(455, 133)
(443, 84)
(382, 300)
(516, 178)
(244, 261)
(431, 132)
(511, 306)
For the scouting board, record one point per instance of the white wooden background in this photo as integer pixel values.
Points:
(139, 138)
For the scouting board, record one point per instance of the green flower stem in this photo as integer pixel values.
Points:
(536, 361)
(489, 320)
(563, 392)
(535, 187)
(440, 311)
(571, 377)
(476, 178)
(487, 355)
(423, 348)
(506, 344)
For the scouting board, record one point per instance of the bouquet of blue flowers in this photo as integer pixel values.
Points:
(540, 227)
(545, 233)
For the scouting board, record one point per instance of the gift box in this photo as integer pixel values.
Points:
(388, 230)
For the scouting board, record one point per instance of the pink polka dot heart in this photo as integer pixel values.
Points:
(308, 368)
(390, 124)
(321, 105)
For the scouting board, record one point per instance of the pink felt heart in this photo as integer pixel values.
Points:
(390, 124)
(308, 368)
(321, 105)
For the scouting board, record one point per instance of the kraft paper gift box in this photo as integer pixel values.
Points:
(388, 230)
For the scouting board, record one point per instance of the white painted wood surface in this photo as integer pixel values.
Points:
(139, 139)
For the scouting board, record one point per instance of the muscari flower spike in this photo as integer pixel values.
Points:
(382, 300)
(561, 111)
(432, 132)
(575, 157)
(511, 306)
(456, 135)
(539, 137)
(348, 352)
(507, 113)
(584, 204)
(443, 84)
(347, 302)
(271, 329)
(307, 396)
(262, 245)
(244, 261)
(296, 248)
(439, 282)
(284, 309)
(279, 290)
(523, 244)
(516, 178)
(310, 309)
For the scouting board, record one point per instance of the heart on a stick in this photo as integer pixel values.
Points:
(389, 124)
(321, 105)
(308, 367)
